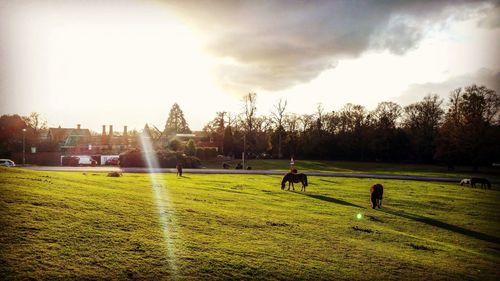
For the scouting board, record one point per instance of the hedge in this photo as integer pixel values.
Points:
(135, 158)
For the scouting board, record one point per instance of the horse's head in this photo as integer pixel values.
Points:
(282, 185)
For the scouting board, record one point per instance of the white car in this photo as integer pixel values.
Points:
(7, 163)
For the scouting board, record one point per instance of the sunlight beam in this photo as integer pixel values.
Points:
(162, 199)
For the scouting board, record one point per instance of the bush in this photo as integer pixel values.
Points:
(206, 153)
(166, 159)
(132, 158)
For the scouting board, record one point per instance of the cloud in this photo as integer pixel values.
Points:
(278, 44)
(484, 77)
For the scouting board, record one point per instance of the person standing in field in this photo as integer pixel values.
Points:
(179, 169)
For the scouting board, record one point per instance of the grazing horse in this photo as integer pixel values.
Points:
(484, 182)
(294, 178)
(377, 190)
(465, 181)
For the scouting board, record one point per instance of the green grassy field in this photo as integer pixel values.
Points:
(492, 173)
(60, 225)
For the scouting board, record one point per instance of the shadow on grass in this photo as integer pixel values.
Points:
(443, 225)
(330, 199)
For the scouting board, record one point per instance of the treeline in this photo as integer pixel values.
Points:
(465, 130)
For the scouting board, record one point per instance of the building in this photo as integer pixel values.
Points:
(71, 141)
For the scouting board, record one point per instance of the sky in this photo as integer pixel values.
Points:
(122, 63)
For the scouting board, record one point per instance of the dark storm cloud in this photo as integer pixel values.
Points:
(483, 77)
(277, 44)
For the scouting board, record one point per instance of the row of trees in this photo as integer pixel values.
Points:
(466, 130)
(11, 132)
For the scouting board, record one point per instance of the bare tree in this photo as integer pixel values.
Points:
(387, 114)
(319, 117)
(249, 109)
(279, 115)
(306, 121)
(422, 121)
(248, 120)
(35, 122)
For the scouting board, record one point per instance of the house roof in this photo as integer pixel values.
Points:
(61, 134)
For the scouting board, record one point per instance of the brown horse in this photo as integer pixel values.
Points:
(294, 178)
(376, 191)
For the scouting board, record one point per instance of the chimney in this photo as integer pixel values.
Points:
(104, 139)
(78, 126)
(125, 136)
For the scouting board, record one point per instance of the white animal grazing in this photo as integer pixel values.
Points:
(465, 181)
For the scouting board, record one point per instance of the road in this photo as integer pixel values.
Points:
(247, 172)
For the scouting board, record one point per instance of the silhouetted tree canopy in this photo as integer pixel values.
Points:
(176, 123)
(422, 132)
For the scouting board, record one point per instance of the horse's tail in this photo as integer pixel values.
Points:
(305, 180)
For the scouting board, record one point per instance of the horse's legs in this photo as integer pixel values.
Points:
(374, 201)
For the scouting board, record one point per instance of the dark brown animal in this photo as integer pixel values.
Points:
(114, 174)
(484, 182)
(294, 178)
(376, 193)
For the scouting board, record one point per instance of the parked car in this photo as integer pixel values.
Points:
(7, 163)
(70, 161)
(113, 161)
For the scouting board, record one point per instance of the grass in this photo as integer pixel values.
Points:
(60, 225)
(492, 173)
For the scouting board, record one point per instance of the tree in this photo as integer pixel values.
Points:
(447, 149)
(35, 123)
(191, 148)
(387, 114)
(278, 116)
(176, 122)
(470, 129)
(215, 128)
(352, 133)
(422, 121)
(249, 115)
(388, 141)
(11, 134)
(175, 145)
(319, 118)
(228, 142)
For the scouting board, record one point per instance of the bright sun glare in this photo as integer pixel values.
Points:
(140, 59)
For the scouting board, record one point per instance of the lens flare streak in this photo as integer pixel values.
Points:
(162, 199)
